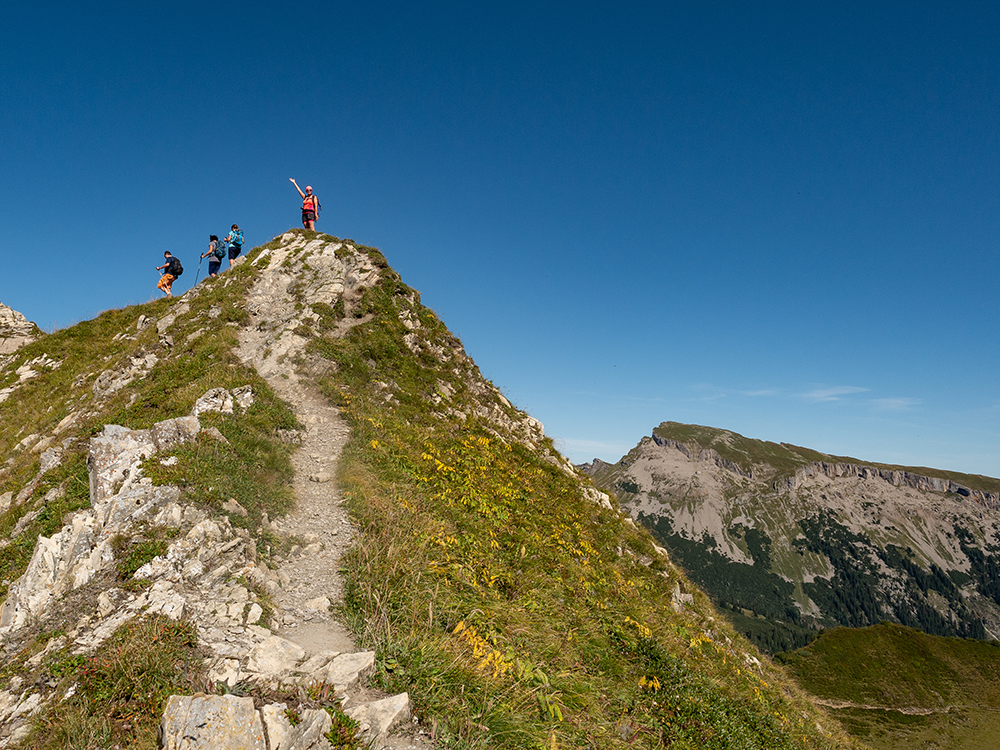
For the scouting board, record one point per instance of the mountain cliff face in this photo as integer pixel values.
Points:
(283, 509)
(791, 540)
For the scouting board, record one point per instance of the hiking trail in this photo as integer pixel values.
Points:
(319, 521)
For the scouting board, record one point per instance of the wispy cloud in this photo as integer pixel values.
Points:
(895, 404)
(834, 393)
(709, 392)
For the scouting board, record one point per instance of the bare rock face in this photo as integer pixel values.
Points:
(377, 718)
(816, 536)
(15, 330)
(220, 722)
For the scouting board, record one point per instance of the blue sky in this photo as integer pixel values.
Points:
(779, 220)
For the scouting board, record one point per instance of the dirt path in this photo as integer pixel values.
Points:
(309, 573)
(319, 520)
(909, 710)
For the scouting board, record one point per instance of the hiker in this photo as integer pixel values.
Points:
(235, 241)
(171, 270)
(217, 251)
(310, 206)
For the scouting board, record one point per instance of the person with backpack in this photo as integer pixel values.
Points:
(310, 206)
(216, 252)
(235, 241)
(171, 268)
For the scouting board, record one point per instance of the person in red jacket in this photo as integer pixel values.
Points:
(310, 206)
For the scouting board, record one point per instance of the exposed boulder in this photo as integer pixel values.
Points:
(15, 330)
(377, 718)
(211, 722)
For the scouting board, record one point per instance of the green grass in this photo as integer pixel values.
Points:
(121, 689)
(891, 665)
(894, 667)
(496, 594)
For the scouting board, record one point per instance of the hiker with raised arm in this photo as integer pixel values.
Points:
(310, 206)
(217, 251)
(171, 270)
(235, 241)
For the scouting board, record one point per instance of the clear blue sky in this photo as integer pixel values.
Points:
(780, 220)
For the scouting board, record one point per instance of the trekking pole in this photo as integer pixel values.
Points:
(199, 271)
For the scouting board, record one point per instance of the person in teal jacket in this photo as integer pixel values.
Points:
(235, 241)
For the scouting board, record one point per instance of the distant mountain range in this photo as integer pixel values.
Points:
(788, 540)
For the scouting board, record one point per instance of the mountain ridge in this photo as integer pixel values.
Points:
(491, 582)
(749, 518)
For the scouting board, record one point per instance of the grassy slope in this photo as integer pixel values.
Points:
(895, 667)
(495, 593)
(785, 459)
(514, 611)
(122, 687)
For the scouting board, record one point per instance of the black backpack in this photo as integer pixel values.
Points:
(220, 249)
(174, 267)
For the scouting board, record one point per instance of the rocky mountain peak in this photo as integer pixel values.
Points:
(217, 493)
(804, 541)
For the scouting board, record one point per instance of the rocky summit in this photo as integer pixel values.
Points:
(286, 510)
(790, 540)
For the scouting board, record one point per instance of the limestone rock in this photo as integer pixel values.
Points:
(307, 734)
(231, 506)
(171, 432)
(211, 722)
(215, 434)
(275, 657)
(164, 323)
(347, 670)
(61, 563)
(243, 396)
(377, 718)
(49, 460)
(597, 497)
(218, 400)
(15, 330)
(114, 459)
(319, 604)
(113, 380)
(318, 661)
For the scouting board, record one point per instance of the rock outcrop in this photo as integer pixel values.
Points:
(15, 330)
(895, 477)
(196, 578)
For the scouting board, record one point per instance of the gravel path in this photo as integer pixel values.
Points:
(319, 521)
